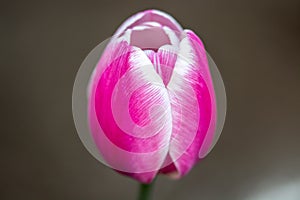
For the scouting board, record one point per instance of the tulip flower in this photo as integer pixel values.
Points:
(151, 99)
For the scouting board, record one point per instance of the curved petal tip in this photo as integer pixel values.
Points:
(151, 15)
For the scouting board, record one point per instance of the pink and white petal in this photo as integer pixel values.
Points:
(211, 135)
(130, 140)
(165, 57)
(173, 36)
(192, 105)
(163, 62)
(149, 16)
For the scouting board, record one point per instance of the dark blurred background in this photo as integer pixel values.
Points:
(256, 46)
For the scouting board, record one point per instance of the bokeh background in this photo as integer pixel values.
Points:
(256, 46)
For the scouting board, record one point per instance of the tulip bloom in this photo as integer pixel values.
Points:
(151, 100)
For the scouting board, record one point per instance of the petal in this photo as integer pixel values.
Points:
(211, 135)
(149, 16)
(193, 105)
(129, 112)
(163, 62)
(149, 37)
(165, 57)
(146, 177)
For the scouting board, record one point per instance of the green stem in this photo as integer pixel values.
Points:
(146, 191)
